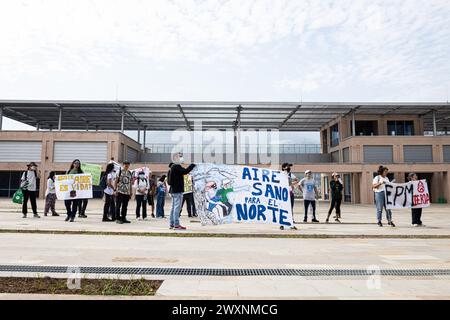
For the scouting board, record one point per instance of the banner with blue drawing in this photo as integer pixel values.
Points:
(231, 193)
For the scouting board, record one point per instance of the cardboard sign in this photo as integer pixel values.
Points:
(94, 169)
(229, 193)
(73, 186)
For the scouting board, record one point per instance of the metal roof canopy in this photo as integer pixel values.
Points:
(171, 115)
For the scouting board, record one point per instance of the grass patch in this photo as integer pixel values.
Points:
(102, 287)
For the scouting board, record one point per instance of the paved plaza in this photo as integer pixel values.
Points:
(356, 244)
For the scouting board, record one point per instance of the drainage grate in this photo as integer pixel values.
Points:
(226, 272)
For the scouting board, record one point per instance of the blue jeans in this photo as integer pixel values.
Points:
(177, 199)
(160, 200)
(380, 203)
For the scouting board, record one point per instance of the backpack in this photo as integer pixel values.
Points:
(103, 182)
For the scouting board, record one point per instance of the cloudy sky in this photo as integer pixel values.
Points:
(276, 50)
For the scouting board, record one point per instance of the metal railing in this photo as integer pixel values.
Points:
(229, 148)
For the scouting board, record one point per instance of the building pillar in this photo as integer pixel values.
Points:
(87, 126)
(122, 121)
(139, 134)
(353, 124)
(434, 123)
(37, 126)
(60, 119)
(144, 137)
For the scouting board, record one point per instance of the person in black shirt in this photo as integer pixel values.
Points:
(336, 188)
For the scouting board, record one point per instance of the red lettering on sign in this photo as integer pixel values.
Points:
(420, 187)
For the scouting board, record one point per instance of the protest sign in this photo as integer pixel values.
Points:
(187, 183)
(95, 170)
(229, 193)
(413, 194)
(73, 186)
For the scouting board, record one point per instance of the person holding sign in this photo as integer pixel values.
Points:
(293, 182)
(123, 192)
(72, 205)
(141, 187)
(416, 213)
(379, 187)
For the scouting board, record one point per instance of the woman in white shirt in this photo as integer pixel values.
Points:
(141, 187)
(50, 195)
(379, 186)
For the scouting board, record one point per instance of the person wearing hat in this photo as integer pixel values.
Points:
(293, 181)
(416, 213)
(28, 184)
(309, 189)
(123, 192)
(336, 188)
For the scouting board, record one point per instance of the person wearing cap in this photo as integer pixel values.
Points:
(28, 184)
(123, 192)
(176, 181)
(141, 187)
(336, 188)
(309, 189)
(293, 181)
(416, 213)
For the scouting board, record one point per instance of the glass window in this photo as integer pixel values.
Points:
(334, 135)
(400, 128)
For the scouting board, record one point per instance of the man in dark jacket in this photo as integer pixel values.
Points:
(176, 182)
(336, 188)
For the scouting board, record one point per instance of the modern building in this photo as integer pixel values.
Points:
(355, 138)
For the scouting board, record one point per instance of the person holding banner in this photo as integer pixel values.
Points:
(141, 187)
(379, 187)
(72, 205)
(293, 182)
(50, 195)
(176, 182)
(109, 208)
(123, 192)
(28, 184)
(416, 213)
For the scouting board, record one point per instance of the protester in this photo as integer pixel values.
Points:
(141, 187)
(379, 186)
(109, 208)
(176, 182)
(123, 192)
(50, 195)
(416, 213)
(72, 205)
(161, 190)
(309, 189)
(293, 182)
(336, 188)
(188, 197)
(151, 194)
(28, 184)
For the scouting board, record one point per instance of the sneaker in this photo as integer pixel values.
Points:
(380, 224)
(106, 220)
(126, 221)
(55, 215)
(145, 219)
(72, 220)
(294, 228)
(83, 216)
(171, 227)
(36, 216)
(326, 221)
(153, 215)
(281, 227)
(337, 220)
(391, 224)
(67, 219)
(119, 221)
(315, 220)
(45, 214)
(180, 228)
(305, 220)
(138, 219)
(24, 216)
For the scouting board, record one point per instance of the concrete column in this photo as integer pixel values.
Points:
(1, 118)
(87, 126)
(37, 126)
(434, 123)
(145, 138)
(122, 121)
(353, 124)
(60, 119)
(139, 135)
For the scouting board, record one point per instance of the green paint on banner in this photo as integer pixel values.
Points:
(95, 170)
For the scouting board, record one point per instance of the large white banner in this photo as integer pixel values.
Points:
(413, 194)
(229, 193)
(73, 186)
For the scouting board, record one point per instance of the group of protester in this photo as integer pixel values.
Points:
(118, 189)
